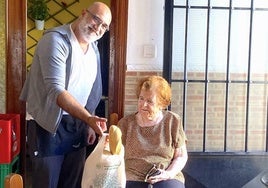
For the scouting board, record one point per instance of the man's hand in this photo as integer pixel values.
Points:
(91, 136)
(98, 124)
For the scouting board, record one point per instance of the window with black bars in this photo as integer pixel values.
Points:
(216, 60)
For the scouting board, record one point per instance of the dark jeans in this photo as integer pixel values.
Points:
(61, 171)
(53, 169)
(172, 183)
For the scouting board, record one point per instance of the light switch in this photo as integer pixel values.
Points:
(149, 51)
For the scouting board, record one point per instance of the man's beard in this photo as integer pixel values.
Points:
(87, 32)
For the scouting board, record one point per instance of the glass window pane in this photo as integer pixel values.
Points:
(219, 3)
(215, 117)
(177, 97)
(218, 44)
(260, 4)
(177, 75)
(257, 117)
(195, 47)
(236, 117)
(242, 3)
(259, 55)
(239, 44)
(196, 41)
(180, 2)
(195, 116)
(198, 3)
(178, 40)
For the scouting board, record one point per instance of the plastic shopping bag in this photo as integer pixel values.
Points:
(104, 170)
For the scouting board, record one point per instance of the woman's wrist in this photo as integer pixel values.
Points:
(167, 174)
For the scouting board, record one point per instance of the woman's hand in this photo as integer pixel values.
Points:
(164, 175)
(178, 162)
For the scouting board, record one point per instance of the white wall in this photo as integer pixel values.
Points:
(145, 30)
(146, 27)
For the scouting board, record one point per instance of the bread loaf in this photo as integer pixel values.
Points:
(115, 142)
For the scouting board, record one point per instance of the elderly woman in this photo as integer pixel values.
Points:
(154, 140)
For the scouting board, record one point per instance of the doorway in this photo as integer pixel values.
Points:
(16, 16)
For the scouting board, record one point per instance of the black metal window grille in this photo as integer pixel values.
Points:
(190, 65)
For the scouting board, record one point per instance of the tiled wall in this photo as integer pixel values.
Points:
(215, 111)
(2, 58)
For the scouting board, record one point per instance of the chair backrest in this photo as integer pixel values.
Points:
(13, 180)
(113, 119)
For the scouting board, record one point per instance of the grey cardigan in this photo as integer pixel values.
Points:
(49, 76)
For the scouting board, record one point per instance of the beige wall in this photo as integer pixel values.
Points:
(2, 59)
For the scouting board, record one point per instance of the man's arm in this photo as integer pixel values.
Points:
(69, 104)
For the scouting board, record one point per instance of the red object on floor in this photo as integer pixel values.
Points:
(9, 137)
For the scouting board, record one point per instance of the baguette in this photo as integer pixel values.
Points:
(115, 142)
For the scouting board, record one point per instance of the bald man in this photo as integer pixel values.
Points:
(62, 91)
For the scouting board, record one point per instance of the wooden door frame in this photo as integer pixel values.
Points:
(16, 65)
(118, 46)
(16, 32)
